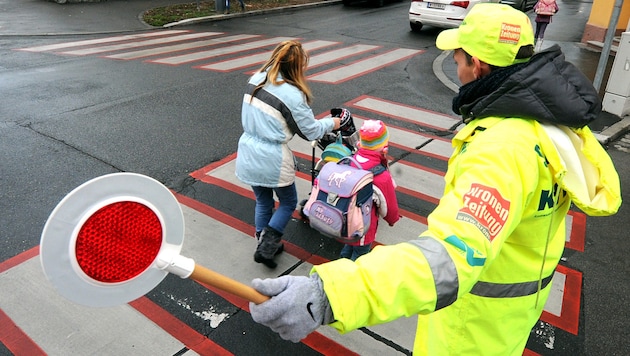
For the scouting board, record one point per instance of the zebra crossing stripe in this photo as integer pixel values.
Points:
(178, 329)
(121, 46)
(258, 58)
(158, 43)
(341, 53)
(58, 46)
(16, 340)
(191, 57)
(406, 139)
(576, 236)
(406, 113)
(178, 47)
(237, 63)
(429, 145)
(361, 67)
(335, 55)
(28, 283)
(563, 305)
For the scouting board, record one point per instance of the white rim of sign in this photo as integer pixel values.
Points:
(57, 245)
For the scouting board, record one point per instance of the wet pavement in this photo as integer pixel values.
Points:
(44, 18)
(603, 264)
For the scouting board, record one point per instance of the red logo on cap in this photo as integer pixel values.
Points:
(510, 33)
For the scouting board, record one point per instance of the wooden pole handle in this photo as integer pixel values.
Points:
(204, 275)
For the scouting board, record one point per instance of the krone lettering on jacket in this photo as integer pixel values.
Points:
(485, 208)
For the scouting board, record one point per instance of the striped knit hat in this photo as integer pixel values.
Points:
(374, 135)
(335, 151)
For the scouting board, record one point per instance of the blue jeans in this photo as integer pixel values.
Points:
(353, 252)
(265, 216)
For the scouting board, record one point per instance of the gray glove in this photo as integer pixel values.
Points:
(297, 308)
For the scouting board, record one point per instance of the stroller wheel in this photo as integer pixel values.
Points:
(302, 215)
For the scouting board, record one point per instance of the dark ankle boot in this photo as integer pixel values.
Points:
(269, 245)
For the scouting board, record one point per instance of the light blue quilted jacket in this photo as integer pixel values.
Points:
(270, 120)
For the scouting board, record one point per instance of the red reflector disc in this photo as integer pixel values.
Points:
(118, 242)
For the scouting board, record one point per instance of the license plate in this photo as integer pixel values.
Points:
(433, 5)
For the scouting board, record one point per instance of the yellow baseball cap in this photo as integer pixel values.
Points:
(492, 32)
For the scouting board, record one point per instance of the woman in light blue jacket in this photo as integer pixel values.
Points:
(275, 108)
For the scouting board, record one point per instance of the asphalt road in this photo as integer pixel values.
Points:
(69, 118)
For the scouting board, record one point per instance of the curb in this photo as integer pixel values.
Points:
(220, 17)
(438, 70)
(614, 132)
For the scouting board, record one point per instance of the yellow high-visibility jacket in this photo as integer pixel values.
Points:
(480, 275)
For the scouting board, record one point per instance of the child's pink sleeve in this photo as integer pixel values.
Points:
(389, 192)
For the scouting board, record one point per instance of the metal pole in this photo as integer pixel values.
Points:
(610, 34)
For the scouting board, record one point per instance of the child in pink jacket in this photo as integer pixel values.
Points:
(372, 156)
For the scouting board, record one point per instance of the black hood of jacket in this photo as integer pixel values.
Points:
(547, 89)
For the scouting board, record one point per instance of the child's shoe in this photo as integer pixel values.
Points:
(269, 245)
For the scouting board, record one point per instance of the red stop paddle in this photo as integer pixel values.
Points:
(114, 238)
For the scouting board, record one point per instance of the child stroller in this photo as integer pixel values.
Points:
(334, 145)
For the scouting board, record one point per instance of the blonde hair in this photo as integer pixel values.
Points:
(289, 60)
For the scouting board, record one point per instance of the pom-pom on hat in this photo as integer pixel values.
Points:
(374, 135)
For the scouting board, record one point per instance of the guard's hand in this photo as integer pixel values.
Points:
(298, 305)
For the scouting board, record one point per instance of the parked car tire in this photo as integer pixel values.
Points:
(346, 2)
(378, 3)
(415, 27)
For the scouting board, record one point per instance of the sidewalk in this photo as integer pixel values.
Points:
(47, 18)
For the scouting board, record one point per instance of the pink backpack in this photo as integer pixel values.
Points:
(543, 8)
(340, 203)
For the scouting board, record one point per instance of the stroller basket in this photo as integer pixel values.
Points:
(351, 141)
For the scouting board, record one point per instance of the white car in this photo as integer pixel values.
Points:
(440, 13)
